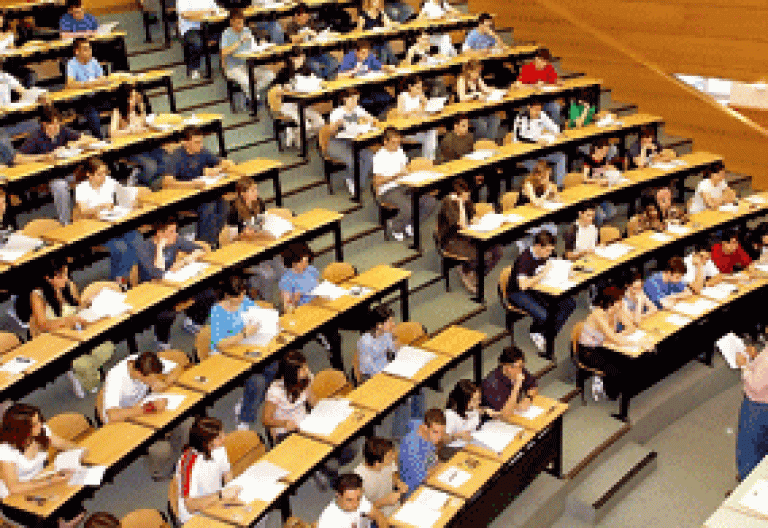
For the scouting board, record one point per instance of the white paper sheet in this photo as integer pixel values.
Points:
(372, 75)
(613, 251)
(678, 320)
(559, 270)
(268, 322)
(71, 459)
(636, 336)
(254, 488)
(762, 267)
(416, 514)
(18, 241)
(307, 84)
(419, 176)
(668, 165)
(432, 499)
(496, 435)
(756, 199)
(88, 476)
(495, 95)
(487, 222)
(696, 308)
(115, 214)
(661, 237)
(756, 499)
(10, 256)
(730, 346)
(479, 155)
(329, 290)
(174, 400)
(265, 470)
(533, 412)
(106, 29)
(31, 95)
(107, 303)
(678, 229)
(326, 417)
(352, 130)
(608, 120)
(454, 477)
(277, 226)
(18, 365)
(187, 272)
(719, 292)
(552, 206)
(125, 196)
(548, 138)
(435, 104)
(728, 208)
(408, 361)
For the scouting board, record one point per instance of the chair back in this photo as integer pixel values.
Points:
(100, 406)
(409, 332)
(282, 212)
(506, 273)
(177, 356)
(483, 208)
(509, 138)
(243, 449)
(144, 519)
(509, 200)
(338, 272)
(93, 289)
(275, 100)
(295, 522)
(609, 234)
(37, 227)
(72, 427)
(329, 383)
(575, 336)
(572, 179)
(173, 498)
(420, 164)
(8, 341)
(633, 226)
(203, 343)
(486, 144)
(324, 137)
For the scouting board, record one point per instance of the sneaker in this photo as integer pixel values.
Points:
(398, 236)
(243, 426)
(238, 408)
(539, 341)
(598, 389)
(350, 186)
(291, 137)
(409, 231)
(195, 75)
(190, 326)
(77, 387)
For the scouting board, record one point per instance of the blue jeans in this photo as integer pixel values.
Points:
(122, 254)
(384, 53)
(604, 211)
(412, 407)
(548, 318)
(398, 11)
(193, 43)
(93, 120)
(152, 167)
(376, 102)
(558, 158)
(211, 221)
(254, 391)
(273, 29)
(323, 65)
(752, 441)
(341, 150)
(487, 127)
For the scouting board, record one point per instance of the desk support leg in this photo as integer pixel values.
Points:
(207, 51)
(278, 190)
(133, 346)
(165, 21)
(338, 241)
(302, 129)
(252, 88)
(477, 359)
(557, 463)
(415, 195)
(480, 272)
(285, 508)
(171, 96)
(356, 177)
(623, 407)
(220, 135)
(404, 308)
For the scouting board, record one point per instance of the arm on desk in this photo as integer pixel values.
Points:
(529, 282)
(269, 421)
(511, 406)
(169, 182)
(118, 414)
(10, 476)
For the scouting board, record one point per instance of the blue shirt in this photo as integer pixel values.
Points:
(146, 255)
(39, 143)
(292, 282)
(77, 71)
(230, 37)
(417, 456)
(479, 41)
(225, 323)
(187, 167)
(656, 288)
(69, 24)
(371, 63)
(372, 352)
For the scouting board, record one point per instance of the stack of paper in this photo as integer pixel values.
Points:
(115, 214)
(487, 222)
(17, 246)
(719, 292)
(557, 276)
(424, 510)
(533, 412)
(454, 477)
(268, 322)
(276, 226)
(329, 290)
(173, 400)
(435, 104)
(678, 230)
(82, 475)
(408, 361)
(326, 417)
(187, 272)
(678, 320)
(479, 155)
(756, 499)
(307, 84)
(419, 176)
(729, 208)
(613, 251)
(496, 435)
(106, 29)
(696, 308)
(17, 365)
(668, 165)
(260, 482)
(107, 303)
(607, 120)
(730, 346)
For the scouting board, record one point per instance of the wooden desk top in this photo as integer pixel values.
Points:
(452, 507)
(55, 497)
(255, 354)
(232, 253)
(203, 521)
(91, 330)
(212, 269)
(244, 516)
(31, 255)
(379, 392)
(147, 294)
(482, 471)
(305, 319)
(454, 341)
(42, 349)
(553, 409)
(434, 365)
(509, 452)
(112, 442)
(75, 231)
(298, 454)
(212, 373)
(33, 47)
(315, 218)
(346, 429)
(379, 277)
(159, 420)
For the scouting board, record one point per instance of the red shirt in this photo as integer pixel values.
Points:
(530, 75)
(725, 263)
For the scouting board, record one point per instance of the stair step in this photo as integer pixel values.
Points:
(538, 506)
(494, 333)
(610, 482)
(559, 390)
(588, 431)
(421, 279)
(446, 309)
(350, 231)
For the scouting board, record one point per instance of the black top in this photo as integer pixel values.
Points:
(497, 388)
(526, 265)
(634, 151)
(289, 73)
(592, 164)
(238, 219)
(370, 22)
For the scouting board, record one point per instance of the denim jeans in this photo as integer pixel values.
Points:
(93, 120)
(212, 216)
(152, 167)
(198, 312)
(193, 43)
(273, 29)
(603, 212)
(323, 65)
(376, 102)
(752, 441)
(254, 391)
(341, 150)
(548, 318)
(122, 254)
(553, 109)
(62, 198)
(559, 159)
(384, 53)
(401, 198)
(412, 407)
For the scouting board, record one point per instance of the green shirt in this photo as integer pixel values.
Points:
(575, 112)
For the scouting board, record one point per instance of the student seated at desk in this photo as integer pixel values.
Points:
(228, 329)
(700, 270)
(389, 164)
(17, 33)
(462, 416)
(237, 39)
(96, 193)
(130, 118)
(418, 449)
(510, 387)
(203, 470)
(342, 119)
(530, 268)
(76, 22)
(84, 71)
(649, 219)
(458, 143)
(601, 327)
(303, 27)
(435, 10)
(350, 509)
(51, 304)
(636, 303)
(664, 288)
(24, 443)
(423, 53)
(582, 237)
(483, 37)
(535, 126)
(160, 254)
(538, 190)
(728, 255)
(297, 66)
(412, 103)
(647, 150)
(456, 212)
(183, 170)
(189, 12)
(661, 199)
(471, 87)
(597, 165)
(360, 62)
(288, 396)
(381, 483)
(373, 16)
(581, 112)
(712, 192)
(540, 72)
(42, 147)
(400, 12)
(125, 387)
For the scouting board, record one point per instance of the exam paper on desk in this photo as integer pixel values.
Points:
(454, 477)
(756, 499)
(187, 272)
(174, 400)
(408, 361)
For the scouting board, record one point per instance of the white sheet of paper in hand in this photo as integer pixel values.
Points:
(678, 320)
(277, 226)
(719, 292)
(329, 290)
(531, 413)
(68, 460)
(18, 365)
(613, 251)
(187, 272)
(730, 346)
(408, 361)
(416, 514)
(454, 477)
(419, 176)
(756, 499)
(559, 269)
(174, 400)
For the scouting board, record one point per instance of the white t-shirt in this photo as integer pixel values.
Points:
(386, 163)
(586, 238)
(434, 9)
(335, 517)
(348, 116)
(200, 478)
(378, 484)
(89, 197)
(412, 104)
(710, 270)
(705, 187)
(295, 411)
(121, 390)
(455, 424)
(26, 468)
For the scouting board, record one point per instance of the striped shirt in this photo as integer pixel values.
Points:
(374, 353)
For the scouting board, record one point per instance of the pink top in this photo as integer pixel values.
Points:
(755, 376)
